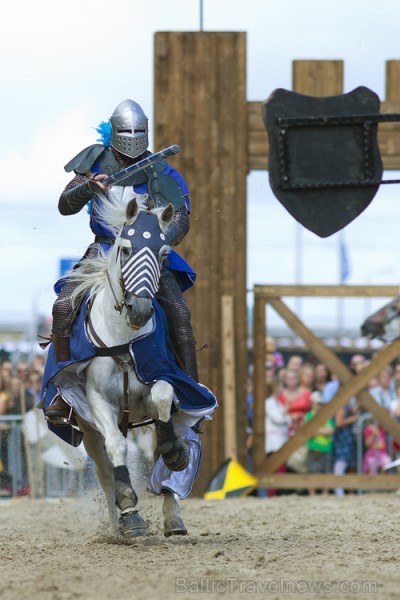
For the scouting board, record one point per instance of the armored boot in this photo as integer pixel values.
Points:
(59, 412)
(186, 352)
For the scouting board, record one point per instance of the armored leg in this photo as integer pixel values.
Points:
(59, 412)
(187, 355)
(61, 347)
(179, 321)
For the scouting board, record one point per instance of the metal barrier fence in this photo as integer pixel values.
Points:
(26, 468)
(11, 456)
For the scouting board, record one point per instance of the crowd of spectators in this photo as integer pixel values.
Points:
(296, 390)
(20, 384)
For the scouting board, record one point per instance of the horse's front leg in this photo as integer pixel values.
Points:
(105, 417)
(174, 451)
(94, 445)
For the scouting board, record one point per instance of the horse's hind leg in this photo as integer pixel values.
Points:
(173, 522)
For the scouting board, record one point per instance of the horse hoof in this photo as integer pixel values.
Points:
(177, 458)
(132, 525)
(174, 526)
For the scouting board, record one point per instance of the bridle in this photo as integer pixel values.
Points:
(119, 304)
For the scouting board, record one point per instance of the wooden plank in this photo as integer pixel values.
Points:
(393, 80)
(312, 342)
(340, 291)
(328, 481)
(229, 379)
(317, 77)
(259, 388)
(258, 145)
(389, 133)
(27, 446)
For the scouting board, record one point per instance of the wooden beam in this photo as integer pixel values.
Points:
(257, 138)
(328, 481)
(313, 343)
(228, 377)
(339, 291)
(317, 77)
(259, 387)
(393, 80)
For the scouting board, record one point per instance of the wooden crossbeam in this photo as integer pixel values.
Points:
(328, 481)
(258, 145)
(338, 291)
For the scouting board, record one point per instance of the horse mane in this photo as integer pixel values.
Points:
(91, 273)
(91, 276)
(111, 210)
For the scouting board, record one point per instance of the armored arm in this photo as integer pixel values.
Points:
(76, 194)
(178, 228)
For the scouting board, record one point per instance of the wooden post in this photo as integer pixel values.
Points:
(393, 80)
(229, 376)
(318, 77)
(28, 454)
(259, 387)
(200, 104)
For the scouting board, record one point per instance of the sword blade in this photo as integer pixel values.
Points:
(142, 164)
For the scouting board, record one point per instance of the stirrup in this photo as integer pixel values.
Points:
(62, 416)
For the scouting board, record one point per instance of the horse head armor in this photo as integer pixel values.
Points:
(141, 250)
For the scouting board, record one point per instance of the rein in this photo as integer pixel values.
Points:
(118, 305)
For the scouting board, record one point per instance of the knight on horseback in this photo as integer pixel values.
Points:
(124, 142)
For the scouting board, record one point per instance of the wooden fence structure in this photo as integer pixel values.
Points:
(351, 385)
(200, 103)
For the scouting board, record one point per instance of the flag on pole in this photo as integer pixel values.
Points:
(344, 261)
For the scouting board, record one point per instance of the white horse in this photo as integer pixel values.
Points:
(122, 285)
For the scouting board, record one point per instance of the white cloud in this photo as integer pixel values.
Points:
(39, 173)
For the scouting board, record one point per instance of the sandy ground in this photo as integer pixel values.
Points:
(285, 547)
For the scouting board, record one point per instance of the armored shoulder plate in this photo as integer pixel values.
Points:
(83, 161)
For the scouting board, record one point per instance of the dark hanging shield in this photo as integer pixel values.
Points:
(324, 160)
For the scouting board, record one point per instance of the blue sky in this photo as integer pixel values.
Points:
(65, 67)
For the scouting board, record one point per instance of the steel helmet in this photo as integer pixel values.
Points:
(129, 129)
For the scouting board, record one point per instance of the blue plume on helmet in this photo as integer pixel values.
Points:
(104, 129)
